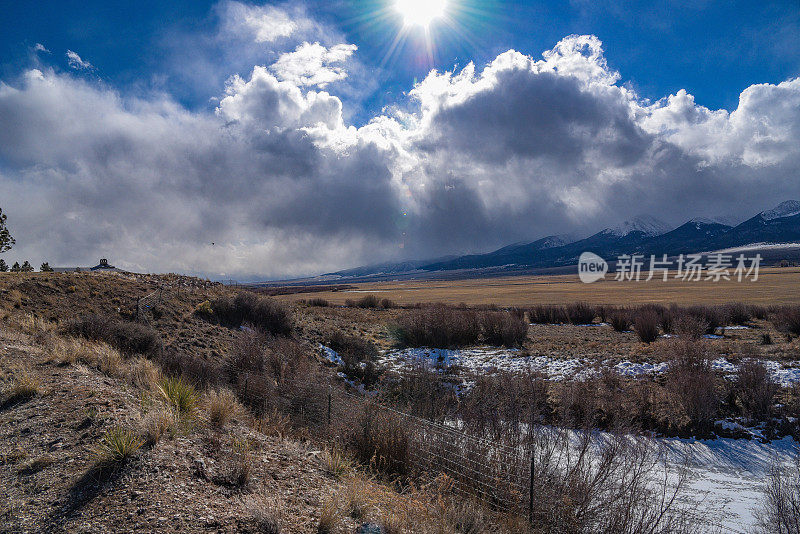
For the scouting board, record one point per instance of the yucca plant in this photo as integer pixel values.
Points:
(179, 394)
(117, 445)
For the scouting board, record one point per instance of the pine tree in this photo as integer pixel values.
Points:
(15, 268)
(45, 268)
(3, 266)
(27, 267)
(6, 241)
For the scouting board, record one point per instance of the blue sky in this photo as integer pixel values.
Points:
(713, 49)
(253, 140)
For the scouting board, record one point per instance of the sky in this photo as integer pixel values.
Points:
(268, 140)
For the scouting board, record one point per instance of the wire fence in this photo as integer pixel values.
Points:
(494, 473)
(145, 305)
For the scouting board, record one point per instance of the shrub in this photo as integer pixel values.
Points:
(222, 406)
(502, 405)
(117, 446)
(24, 386)
(368, 301)
(179, 394)
(580, 313)
(711, 316)
(193, 369)
(780, 505)
(437, 326)
(692, 384)
(266, 513)
(129, 338)
(646, 325)
(143, 373)
(241, 468)
(261, 312)
(620, 320)
(690, 327)
(758, 312)
(335, 463)
(585, 484)
(422, 391)
(380, 440)
(755, 389)
(157, 423)
(547, 314)
(787, 319)
(357, 355)
(387, 304)
(356, 497)
(319, 302)
(736, 313)
(329, 517)
(205, 310)
(503, 328)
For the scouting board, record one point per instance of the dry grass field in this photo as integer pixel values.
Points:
(774, 286)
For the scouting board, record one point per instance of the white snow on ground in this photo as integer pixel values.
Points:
(489, 360)
(331, 355)
(726, 477)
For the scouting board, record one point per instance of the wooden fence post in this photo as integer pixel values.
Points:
(530, 494)
(329, 406)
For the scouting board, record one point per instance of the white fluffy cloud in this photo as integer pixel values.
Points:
(282, 186)
(313, 64)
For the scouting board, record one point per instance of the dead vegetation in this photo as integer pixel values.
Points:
(405, 474)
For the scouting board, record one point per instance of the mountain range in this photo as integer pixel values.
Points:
(642, 235)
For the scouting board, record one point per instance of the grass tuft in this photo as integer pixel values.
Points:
(330, 516)
(179, 394)
(117, 446)
(336, 463)
(222, 406)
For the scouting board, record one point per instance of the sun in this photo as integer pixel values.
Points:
(420, 12)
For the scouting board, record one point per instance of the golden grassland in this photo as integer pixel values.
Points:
(774, 286)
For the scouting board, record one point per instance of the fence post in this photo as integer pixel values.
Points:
(530, 494)
(329, 405)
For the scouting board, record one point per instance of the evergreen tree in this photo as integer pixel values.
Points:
(15, 268)
(3, 266)
(45, 268)
(27, 267)
(6, 241)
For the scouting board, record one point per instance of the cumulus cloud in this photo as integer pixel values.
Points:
(76, 62)
(283, 186)
(313, 64)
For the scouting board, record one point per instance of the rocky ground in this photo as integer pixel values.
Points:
(48, 483)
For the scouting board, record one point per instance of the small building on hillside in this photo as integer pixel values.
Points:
(103, 266)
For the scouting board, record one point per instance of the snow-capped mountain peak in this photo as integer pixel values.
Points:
(648, 225)
(784, 209)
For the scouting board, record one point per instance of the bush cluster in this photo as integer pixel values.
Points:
(445, 327)
(261, 312)
(127, 337)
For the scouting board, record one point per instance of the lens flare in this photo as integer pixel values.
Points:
(421, 12)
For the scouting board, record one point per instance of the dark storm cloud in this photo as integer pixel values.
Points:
(282, 186)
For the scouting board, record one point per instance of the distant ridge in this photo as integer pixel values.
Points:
(642, 234)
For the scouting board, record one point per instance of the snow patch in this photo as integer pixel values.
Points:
(784, 209)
